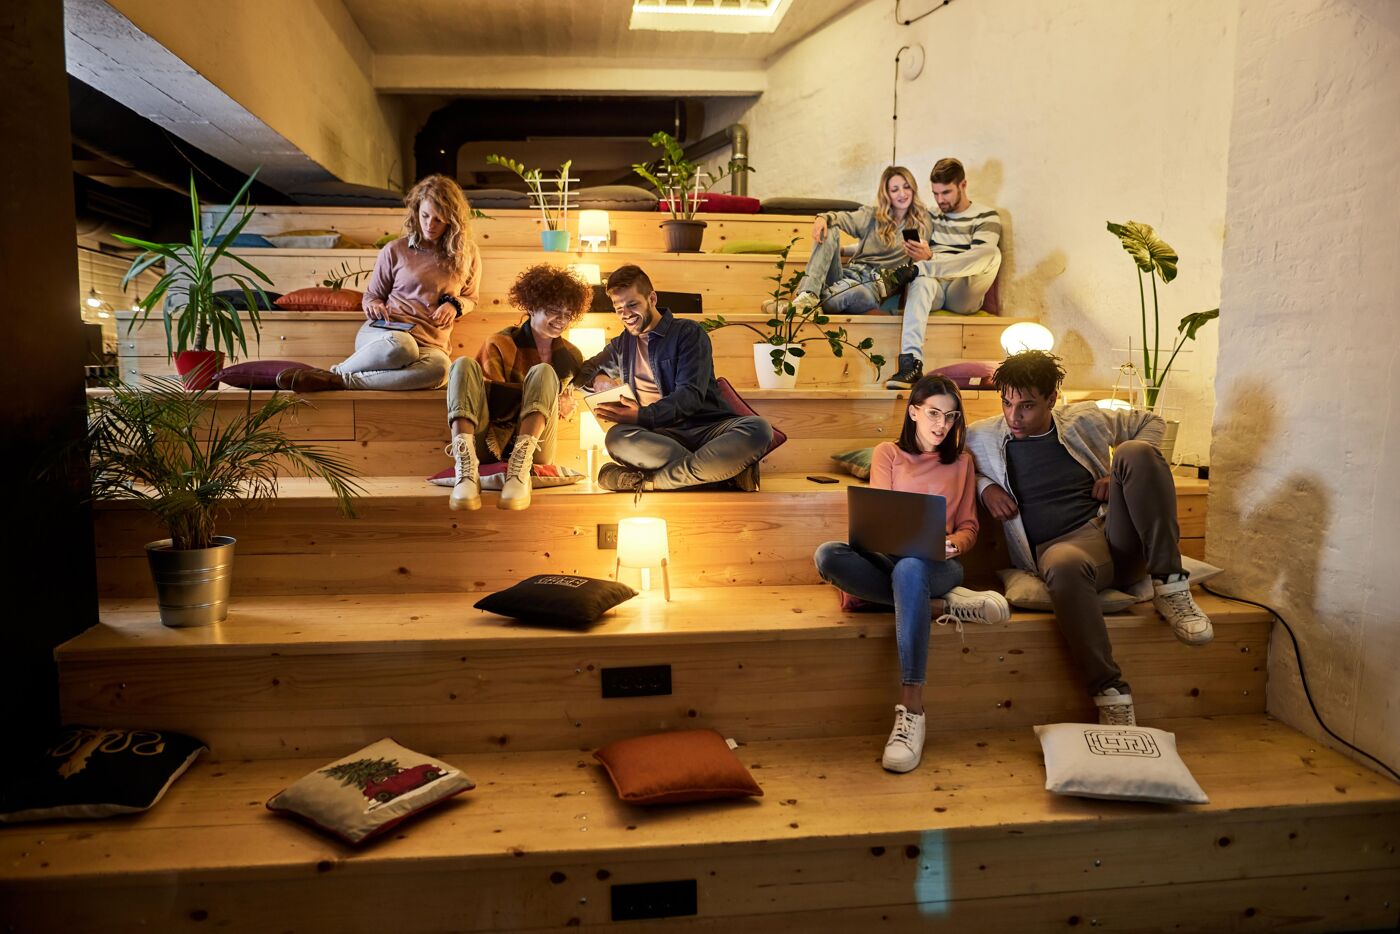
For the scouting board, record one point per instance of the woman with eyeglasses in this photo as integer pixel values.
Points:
(506, 404)
(929, 457)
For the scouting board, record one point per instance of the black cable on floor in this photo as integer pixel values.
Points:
(1302, 675)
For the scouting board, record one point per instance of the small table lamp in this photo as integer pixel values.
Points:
(641, 543)
(591, 273)
(591, 437)
(593, 228)
(1026, 335)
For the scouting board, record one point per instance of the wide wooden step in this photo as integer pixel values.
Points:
(405, 539)
(1295, 837)
(637, 231)
(322, 338)
(312, 675)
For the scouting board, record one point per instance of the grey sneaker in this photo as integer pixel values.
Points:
(905, 747)
(620, 478)
(1173, 602)
(1115, 709)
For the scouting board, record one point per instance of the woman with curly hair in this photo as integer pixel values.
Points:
(422, 283)
(882, 263)
(506, 404)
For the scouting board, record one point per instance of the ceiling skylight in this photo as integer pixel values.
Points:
(708, 15)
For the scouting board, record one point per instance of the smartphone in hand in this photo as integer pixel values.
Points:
(910, 234)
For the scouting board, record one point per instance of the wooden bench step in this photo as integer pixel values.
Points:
(310, 675)
(1294, 835)
(406, 540)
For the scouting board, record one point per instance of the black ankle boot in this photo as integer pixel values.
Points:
(911, 370)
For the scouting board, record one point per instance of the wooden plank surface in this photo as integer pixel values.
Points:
(542, 840)
(312, 675)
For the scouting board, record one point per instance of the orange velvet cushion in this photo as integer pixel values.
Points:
(320, 298)
(667, 768)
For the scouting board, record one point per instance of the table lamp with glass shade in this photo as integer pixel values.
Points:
(1026, 335)
(641, 543)
(593, 228)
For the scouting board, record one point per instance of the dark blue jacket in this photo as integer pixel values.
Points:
(683, 364)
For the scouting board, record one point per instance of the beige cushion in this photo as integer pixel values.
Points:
(1132, 763)
(308, 239)
(1027, 590)
(371, 790)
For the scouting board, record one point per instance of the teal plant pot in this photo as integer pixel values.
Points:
(555, 241)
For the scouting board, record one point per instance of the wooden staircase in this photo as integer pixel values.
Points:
(344, 631)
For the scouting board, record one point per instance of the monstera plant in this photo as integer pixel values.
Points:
(1155, 259)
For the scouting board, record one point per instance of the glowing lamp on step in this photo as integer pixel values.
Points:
(1026, 335)
(590, 273)
(641, 543)
(593, 228)
(589, 341)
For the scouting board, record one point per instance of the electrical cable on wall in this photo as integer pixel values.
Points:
(929, 12)
(894, 119)
(1302, 675)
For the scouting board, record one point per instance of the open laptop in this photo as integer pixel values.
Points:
(906, 525)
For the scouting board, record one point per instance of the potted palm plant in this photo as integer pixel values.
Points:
(780, 351)
(1154, 259)
(175, 453)
(200, 325)
(553, 205)
(681, 184)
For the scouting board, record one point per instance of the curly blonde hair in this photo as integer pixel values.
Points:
(884, 211)
(447, 199)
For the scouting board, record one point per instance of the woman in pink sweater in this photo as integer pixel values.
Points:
(928, 458)
(421, 284)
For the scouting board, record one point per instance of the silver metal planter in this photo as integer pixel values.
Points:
(192, 586)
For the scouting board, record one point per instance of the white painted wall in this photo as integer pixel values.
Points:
(1303, 507)
(1067, 115)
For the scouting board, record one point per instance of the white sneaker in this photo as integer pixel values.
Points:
(1115, 709)
(804, 301)
(974, 606)
(466, 490)
(515, 492)
(905, 746)
(1174, 603)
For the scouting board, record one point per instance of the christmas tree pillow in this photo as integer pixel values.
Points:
(370, 791)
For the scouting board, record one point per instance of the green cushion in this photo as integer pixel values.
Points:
(856, 463)
(751, 246)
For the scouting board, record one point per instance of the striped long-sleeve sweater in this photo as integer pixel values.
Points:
(964, 243)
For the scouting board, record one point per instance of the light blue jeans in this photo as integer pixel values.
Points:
(926, 294)
(680, 456)
(851, 289)
(907, 584)
(392, 360)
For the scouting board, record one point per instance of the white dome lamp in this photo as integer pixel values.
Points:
(1026, 335)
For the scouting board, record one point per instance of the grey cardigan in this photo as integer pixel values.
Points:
(1085, 430)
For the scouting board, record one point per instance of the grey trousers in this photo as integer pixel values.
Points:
(1140, 531)
(681, 456)
(466, 398)
(391, 360)
(927, 294)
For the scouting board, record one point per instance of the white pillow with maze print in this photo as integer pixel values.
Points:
(1129, 763)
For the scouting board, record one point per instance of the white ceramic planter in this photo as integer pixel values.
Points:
(763, 367)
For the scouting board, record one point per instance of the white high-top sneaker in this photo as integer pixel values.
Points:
(515, 492)
(905, 746)
(974, 606)
(1173, 602)
(1115, 709)
(466, 491)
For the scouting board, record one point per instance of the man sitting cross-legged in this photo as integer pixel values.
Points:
(1078, 521)
(678, 432)
(955, 268)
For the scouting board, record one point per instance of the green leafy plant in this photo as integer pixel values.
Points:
(194, 316)
(554, 205)
(678, 180)
(189, 460)
(337, 277)
(1154, 258)
(789, 319)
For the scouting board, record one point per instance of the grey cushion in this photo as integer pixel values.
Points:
(616, 198)
(805, 205)
(1133, 763)
(501, 198)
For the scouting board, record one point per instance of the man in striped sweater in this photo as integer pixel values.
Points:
(956, 267)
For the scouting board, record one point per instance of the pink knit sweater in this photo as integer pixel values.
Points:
(894, 469)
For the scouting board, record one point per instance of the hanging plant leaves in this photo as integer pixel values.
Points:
(1195, 321)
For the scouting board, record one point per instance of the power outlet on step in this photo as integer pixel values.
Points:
(607, 536)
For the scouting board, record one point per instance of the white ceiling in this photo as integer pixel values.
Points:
(565, 28)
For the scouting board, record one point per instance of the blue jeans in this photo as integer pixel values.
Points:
(907, 584)
(851, 289)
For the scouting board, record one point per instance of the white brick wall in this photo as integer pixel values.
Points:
(1067, 115)
(1303, 507)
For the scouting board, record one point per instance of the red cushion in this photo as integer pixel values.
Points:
(320, 298)
(256, 374)
(712, 203)
(740, 407)
(969, 374)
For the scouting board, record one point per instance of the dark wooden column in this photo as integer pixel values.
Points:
(49, 586)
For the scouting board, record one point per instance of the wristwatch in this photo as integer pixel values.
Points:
(454, 301)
